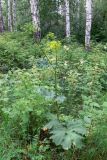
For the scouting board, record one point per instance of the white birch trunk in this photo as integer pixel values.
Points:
(35, 18)
(67, 16)
(9, 16)
(88, 24)
(14, 14)
(1, 18)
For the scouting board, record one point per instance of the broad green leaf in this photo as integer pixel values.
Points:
(87, 120)
(53, 123)
(66, 144)
(58, 136)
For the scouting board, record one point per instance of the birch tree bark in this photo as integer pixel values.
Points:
(14, 15)
(67, 17)
(88, 24)
(36, 18)
(9, 16)
(1, 18)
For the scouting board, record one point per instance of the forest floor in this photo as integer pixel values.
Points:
(53, 99)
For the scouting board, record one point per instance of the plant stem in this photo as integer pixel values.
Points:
(56, 89)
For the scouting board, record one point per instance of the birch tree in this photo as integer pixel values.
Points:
(35, 18)
(9, 16)
(67, 17)
(14, 14)
(88, 24)
(1, 18)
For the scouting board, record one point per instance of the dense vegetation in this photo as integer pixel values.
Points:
(53, 88)
(53, 99)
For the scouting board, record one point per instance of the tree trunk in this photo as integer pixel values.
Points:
(35, 19)
(9, 16)
(67, 16)
(88, 24)
(77, 15)
(1, 18)
(14, 15)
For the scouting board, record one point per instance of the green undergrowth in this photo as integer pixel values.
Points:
(17, 51)
(53, 99)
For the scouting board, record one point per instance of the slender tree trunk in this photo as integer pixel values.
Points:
(14, 15)
(1, 18)
(77, 15)
(67, 16)
(36, 18)
(9, 16)
(88, 24)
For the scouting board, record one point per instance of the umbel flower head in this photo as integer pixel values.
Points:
(54, 45)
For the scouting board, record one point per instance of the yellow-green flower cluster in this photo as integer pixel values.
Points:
(54, 45)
